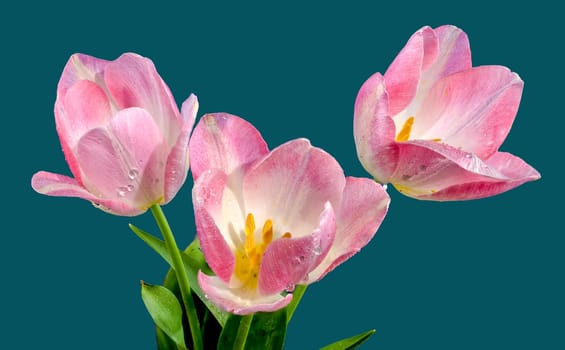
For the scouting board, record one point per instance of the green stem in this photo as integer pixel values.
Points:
(297, 294)
(242, 332)
(182, 278)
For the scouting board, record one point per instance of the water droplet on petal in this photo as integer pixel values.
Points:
(290, 287)
(130, 188)
(317, 250)
(468, 155)
(122, 190)
(133, 173)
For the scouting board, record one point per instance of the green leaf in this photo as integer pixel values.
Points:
(165, 309)
(193, 260)
(297, 294)
(350, 343)
(163, 341)
(267, 331)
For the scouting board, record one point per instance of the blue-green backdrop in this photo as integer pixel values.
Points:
(484, 274)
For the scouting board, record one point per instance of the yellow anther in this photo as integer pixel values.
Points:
(248, 256)
(267, 232)
(249, 233)
(404, 134)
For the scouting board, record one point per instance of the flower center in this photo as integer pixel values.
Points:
(404, 134)
(249, 255)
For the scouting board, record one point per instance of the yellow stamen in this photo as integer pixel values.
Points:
(248, 256)
(404, 134)
(267, 233)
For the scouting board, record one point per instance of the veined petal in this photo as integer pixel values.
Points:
(239, 302)
(515, 170)
(287, 261)
(178, 160)
(80, 67)
(121, 162)
(427, 168)
(133, 81)
(224, 142)
(374, 130)
(85, 106)
(211, 225)
(291, 186)
(454, 53)
(473, 109)
(63, 186)
(362, 210)
(403, 75)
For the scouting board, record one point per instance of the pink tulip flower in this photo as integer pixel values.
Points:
(268, 220)
(122, 135)
(433, 124)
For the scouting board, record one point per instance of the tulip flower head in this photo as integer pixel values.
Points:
(122, 135)
(268, 220)
(432, 125)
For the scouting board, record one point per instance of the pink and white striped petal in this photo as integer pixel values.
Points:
(80, 67)
(63, 186)
(121, 162)
(133, 81)
(428, 168)
(291, 186)
(177, 166)
(238, 301)
(404, 73)
(473, 109)
(287, 261)
(363, 209)
(374, 130)
(86, 107)
(226, 142)
(215, 230)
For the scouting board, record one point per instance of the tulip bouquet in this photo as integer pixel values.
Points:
(271, 221)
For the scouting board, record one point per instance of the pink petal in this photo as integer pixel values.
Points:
(291, 186)
(374, 130)
(237, 301)
(178, 160)
(85, 106)
(224, 142)
(428, 168)
(207, 197)
(133, 81)
(287, 261)
(454, 53)
(63, 186)
(473, 109)
(404, 73)
(124, 162)
(363, 208)
(515, 169)
(80, 67)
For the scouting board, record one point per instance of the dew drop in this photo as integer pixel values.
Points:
(468, 155)
(122, 190)
(317, 250)
(130, 188)
(290, 287)
(133, 173)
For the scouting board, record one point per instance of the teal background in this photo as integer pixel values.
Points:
(484, 274)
